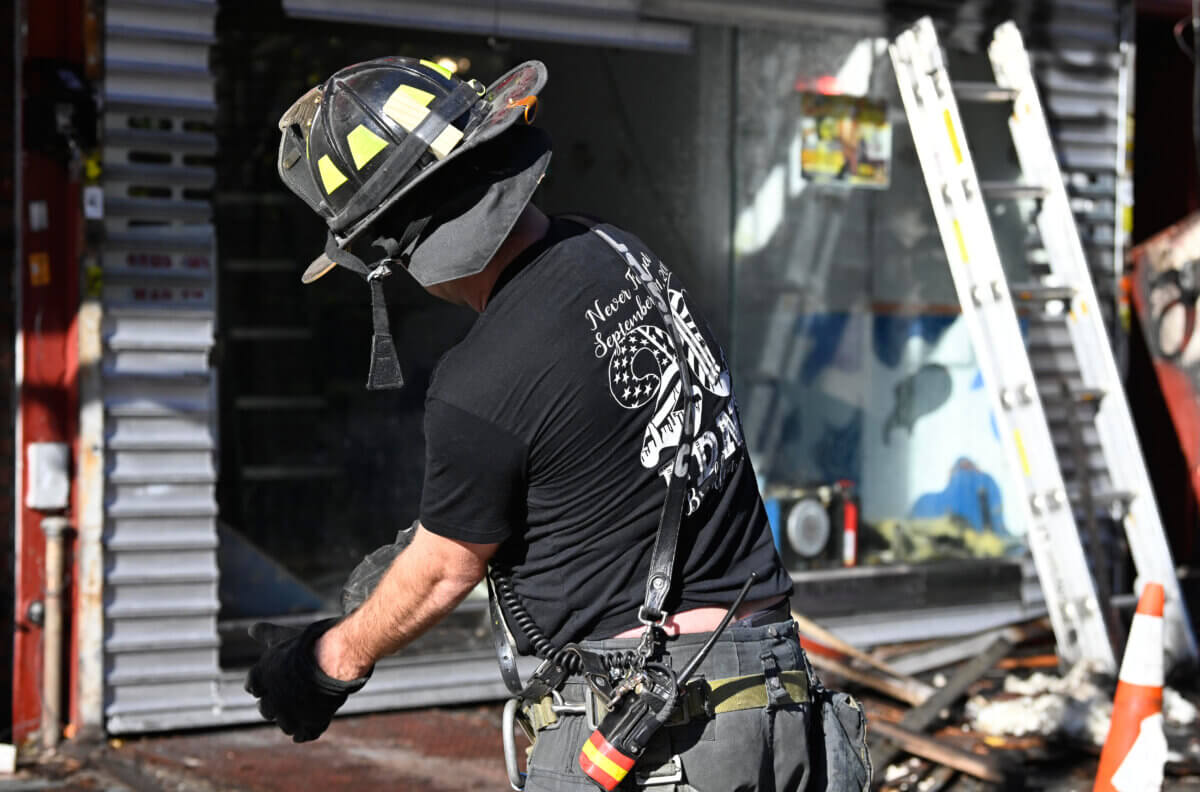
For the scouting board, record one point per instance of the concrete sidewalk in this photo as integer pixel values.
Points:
(433, 750)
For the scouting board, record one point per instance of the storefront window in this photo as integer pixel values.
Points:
(856, 371)
(853, 365)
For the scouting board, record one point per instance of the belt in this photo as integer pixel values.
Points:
(700, 698)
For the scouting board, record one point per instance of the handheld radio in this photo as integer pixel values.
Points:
(639, 706)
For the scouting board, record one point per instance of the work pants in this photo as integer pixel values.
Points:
(765, 749)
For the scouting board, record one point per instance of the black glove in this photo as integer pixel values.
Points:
(291, 688)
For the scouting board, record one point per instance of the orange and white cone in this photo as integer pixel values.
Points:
(1136, 748)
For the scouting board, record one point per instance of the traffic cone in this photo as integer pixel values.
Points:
(1136, 748)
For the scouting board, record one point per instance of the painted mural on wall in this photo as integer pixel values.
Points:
(897, 405)
(1166, 292)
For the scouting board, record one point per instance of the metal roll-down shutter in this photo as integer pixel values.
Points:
(157, 297)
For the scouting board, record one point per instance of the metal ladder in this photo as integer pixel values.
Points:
(1058, 404)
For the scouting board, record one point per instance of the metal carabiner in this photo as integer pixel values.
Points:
(508, 722)
(508, 733)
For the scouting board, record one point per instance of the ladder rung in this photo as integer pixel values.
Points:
(1094, 465)
(1043, 319)
(1012, 190)
(1051, 365)
(1045, 322)
(970, 91)
(1042, 338)
(1063, 436)
(1038, 292)
(1052, 360)
(1052, 395)
(1101, 500)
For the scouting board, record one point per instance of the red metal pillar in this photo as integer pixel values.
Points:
(47, 393)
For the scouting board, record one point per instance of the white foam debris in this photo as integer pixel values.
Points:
(895, 772)
(1177, 710)
(1072, 705)
(1017, 717)
(928, 782)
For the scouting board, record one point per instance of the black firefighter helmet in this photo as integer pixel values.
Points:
(360, 143)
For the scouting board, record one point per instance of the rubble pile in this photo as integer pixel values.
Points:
(1005, 716)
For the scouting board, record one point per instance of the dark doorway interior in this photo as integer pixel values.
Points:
(315, 471)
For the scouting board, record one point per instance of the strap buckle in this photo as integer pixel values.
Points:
(652, 637)
(382, 270)
(560, 707)
(643, 615)
(595, 707)
(694, 702)
(669, 772)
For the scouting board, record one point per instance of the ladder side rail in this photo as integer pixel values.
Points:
(1114, 420)
(988, 311)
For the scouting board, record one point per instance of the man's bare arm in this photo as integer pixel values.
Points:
(423, 584)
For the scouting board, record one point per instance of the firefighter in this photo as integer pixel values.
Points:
(582, 443)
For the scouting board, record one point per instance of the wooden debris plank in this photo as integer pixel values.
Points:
(883, 684)
(956, 650)
(921, 718)
(918, 691)
(917, 744)
(1029, 661)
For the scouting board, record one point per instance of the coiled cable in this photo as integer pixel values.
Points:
(569, 657)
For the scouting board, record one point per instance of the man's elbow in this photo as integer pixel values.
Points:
(456, 582)
(453, 567)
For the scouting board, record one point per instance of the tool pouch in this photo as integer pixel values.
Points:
(840, 762)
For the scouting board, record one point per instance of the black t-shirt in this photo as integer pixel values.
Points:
(549, 427)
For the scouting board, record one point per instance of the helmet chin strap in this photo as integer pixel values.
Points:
(384, 373)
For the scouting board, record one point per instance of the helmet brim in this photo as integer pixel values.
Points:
(320, 266)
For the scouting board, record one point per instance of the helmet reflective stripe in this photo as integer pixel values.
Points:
(406, 156)
(438, 67)
(364, 145)
(408, 107)
(409, 95)
(331, 177)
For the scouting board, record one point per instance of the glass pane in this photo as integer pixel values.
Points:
(854, 363)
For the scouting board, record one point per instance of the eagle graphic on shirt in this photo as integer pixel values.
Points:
(644, 369)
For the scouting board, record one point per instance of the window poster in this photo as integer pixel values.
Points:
(845, 140)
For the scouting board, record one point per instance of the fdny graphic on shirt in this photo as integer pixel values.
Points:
(643, 369)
